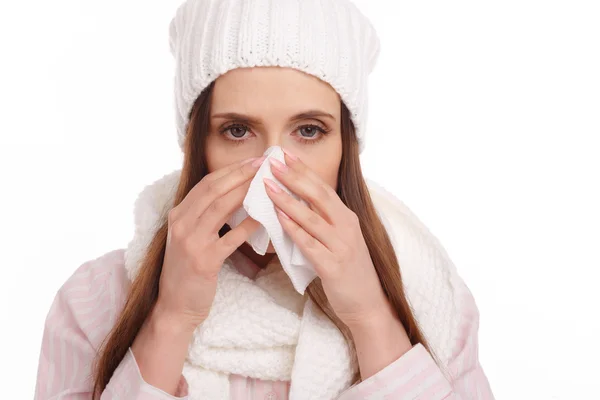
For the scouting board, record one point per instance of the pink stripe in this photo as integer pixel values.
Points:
(419, 380)
(425, 385)
(237, 387)
(402, 369)
(440, 390)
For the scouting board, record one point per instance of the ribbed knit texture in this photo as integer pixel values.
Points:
(330, 39)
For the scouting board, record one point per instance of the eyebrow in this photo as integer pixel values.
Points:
(310, 114)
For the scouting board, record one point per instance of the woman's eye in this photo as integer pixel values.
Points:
(237, 131)
(309, 131)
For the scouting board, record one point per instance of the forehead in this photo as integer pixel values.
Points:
(274, 90)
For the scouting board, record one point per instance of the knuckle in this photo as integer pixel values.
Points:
(172, 215)
(212, 188)
(216, 206)
(177, 230)
(322, 194)
(210, 176)
(244, 171)
(228, 241)
(314, 219)
(300, 168)
(310, 242)
(206, 181)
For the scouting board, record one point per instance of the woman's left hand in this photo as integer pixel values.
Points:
(329, 235)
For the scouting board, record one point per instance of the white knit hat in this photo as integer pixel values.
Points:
(330, 39)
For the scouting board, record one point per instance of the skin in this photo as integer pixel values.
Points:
(284, 93)
(327, 232)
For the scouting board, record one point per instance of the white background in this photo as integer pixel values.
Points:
(484, 119)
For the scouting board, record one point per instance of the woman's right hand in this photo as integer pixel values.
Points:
(194, 251)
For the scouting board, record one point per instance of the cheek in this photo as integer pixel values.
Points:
(220, 152)
(217, 154)
(324, 158)
(326, 170)
(332, 176)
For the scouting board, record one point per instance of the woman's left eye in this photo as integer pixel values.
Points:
(309, 130)
(311, 133)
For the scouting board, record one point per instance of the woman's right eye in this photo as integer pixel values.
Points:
(235, 131)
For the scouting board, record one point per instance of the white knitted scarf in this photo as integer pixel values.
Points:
(264, 329)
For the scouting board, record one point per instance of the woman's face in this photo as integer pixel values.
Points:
(255, 108)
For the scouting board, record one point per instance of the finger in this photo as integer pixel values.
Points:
(309, 220)
(204, 194)
(220, 210)
(310, 247)
(227, 169)
(201, 186)
(236, 237)
(307, 185)
(296, 164)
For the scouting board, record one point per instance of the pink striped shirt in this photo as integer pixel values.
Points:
(86, 306)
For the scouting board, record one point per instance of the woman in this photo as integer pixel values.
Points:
(190, 310)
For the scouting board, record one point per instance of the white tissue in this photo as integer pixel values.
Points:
(259, 206)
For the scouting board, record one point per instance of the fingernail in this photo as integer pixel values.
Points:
(280, 212)
(258, 161)
(272, 185)
(290, 155)
(249, 160)
(278, 165)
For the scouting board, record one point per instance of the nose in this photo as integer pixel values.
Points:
(274, 138)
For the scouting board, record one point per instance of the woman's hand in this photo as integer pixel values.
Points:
(194, 251)
(194, 254)
(329, 235)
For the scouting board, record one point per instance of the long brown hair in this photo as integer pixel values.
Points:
(353, 191)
